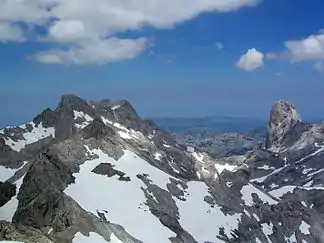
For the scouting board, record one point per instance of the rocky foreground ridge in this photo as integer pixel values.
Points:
(96, 172)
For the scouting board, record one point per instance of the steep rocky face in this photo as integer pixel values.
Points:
(283, 118)
(98, 129)
(41, 198)
(2, 142)
(71, 103)
(110, 170)
(7, 191)
(47, 118)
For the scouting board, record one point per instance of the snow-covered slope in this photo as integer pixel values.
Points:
(18, 137)
(96, 172)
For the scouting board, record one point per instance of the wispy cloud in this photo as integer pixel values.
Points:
(219, 45)
(167, 57)
(11, 33)
(319, 67)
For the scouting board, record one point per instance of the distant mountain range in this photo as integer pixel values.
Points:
(252, 126)
(211, 124)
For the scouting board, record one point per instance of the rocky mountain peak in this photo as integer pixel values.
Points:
(283, 117)
(98, 129)
(71, 102)
(66, 188)
(47, 117)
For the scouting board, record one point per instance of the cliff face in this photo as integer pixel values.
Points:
(283, 117)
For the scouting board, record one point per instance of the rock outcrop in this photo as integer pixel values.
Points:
(283, 118)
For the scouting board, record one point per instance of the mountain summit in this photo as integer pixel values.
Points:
(283, 117)
(96, 172)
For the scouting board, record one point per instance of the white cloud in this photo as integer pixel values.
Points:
(251, 60)
(220, 45)
(10, 33)
(108, 50)
(319, 67)
(82, 23)
(310, 48)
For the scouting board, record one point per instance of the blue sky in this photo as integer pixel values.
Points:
(192, 64)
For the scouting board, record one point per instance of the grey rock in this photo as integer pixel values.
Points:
(97, 129)
(48, 118)
(65, 125)
(22, 233)
(218, 145)
(41, 198)
(72, 102)
(283, 117)
(107, 169)
(2, 143)
(7, 191)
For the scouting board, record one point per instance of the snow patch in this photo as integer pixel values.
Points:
(124, 135)
(267, 230)
(316, 172)
(115, 107)
(229, 184)
(304, 228)
(36, 134)
(291, 239)
(266, 167)
(263, 178)
(6, 173)
(79, 114)
(8, 241)
(115, 124)
(247, 192)
(196, 221)
(256, 217)
(306, 171)
(50, 231)
(114, 239)
(204, 170)
(319, 150)
(273, 186)
(157, 156)
(308, 184)
(199, 157)
(282, 191)
(124, 207)
(221, 167)
(93, 237)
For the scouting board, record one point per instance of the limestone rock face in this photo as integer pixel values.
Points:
(2, 142)
(283, 118)
(107, 173)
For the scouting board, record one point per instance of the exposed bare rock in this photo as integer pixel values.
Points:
(283, 118)
(21, 233)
